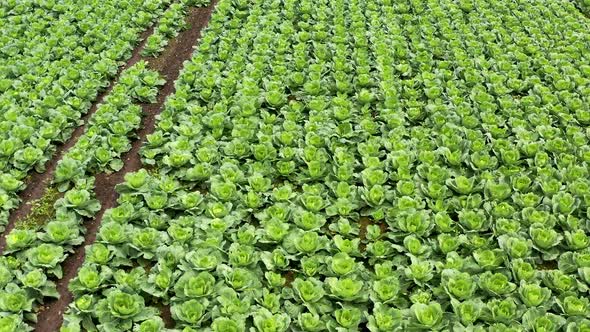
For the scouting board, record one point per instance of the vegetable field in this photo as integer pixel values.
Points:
(313, 165)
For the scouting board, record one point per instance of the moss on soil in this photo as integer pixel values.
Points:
(42, 210)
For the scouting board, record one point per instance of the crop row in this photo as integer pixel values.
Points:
(171, 22)
(584, 6)
(34, 252)
(38, 245)
(57, 57)
(333, 166)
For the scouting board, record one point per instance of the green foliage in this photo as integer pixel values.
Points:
(42, 210)
(354, 165)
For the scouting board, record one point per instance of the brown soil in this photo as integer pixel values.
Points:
(166, 316)
(169, 64)
(289, 278)
(548, 265)
(364, 222)
(43, 180)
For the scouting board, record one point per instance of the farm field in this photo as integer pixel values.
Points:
(311, 166)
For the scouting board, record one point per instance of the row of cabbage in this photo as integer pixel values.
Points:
(31, 261)
(55, 57)
(350, 165)
(170, 24)
(584, 6)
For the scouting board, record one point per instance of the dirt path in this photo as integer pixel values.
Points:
(169, 64)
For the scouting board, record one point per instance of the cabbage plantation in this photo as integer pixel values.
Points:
(320, 165)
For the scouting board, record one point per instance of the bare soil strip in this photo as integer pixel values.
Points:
(169, 64)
